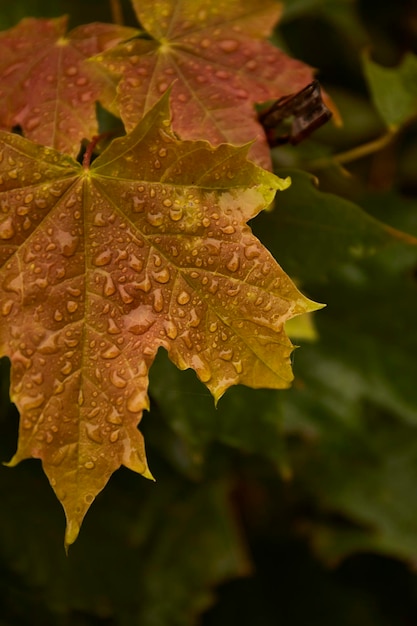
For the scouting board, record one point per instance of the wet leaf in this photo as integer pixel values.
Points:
(218, 62)
(52, 97)
(102, 266)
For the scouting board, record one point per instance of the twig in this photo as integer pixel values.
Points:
(355, 153)
(116, 12)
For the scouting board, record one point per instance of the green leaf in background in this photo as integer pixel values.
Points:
(150, 556)
(314, 233)
(354, 407)
(245, 419)
(393, 90)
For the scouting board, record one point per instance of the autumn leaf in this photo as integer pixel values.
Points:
(45, 86)
(218, 62)
(101, 266)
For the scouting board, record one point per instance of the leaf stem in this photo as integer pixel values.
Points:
(91, 146)
(116, 12)
(355, 153)
(89, 151)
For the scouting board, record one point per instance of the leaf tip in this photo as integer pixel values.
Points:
(71, 533)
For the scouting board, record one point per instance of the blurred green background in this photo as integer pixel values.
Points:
(295, 508)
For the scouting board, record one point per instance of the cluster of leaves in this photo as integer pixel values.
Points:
(332, 458)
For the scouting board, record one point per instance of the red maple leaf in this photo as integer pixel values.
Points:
(45, 86)
(216, 57)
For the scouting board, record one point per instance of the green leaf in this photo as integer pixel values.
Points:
(130, 566)
(354, 407)
(315, 233)
(393, 90)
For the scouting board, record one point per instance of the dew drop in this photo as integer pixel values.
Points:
(38, 378)
(170, 329)
(72, 306)
(234, 263)
(103, 258)
(6, 307)
(112, 327)
(114, 418)
(114, 436)
(135, 263)
(238, 366)
(194, 319)
(109, 288)
(226, 355)
(163, 276)
(139, 320)
(32, 402)
(229, 45)
(213, 327)
(66, 369)
(145, 285)
(125, 296)
(110, 353)
(228, 230)
(7, 230)
(155, 219)
(251, 252)
(186, 337)
(32, 123)
(222, 74)
(176, 214)
(135, 402)
(202, 369)
(89, 465)
(117, 380)
(233, 291)
(241, 93)
(183, 297)
(214, 287)
(99, 220)
(58, 387)
(158, 301)
(58, 317)
(251, 64)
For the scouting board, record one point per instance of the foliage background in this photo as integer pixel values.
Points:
(292, 508)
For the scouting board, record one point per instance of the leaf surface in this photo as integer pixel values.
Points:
(335, 231)
(45, 86)
(218, 62)
(393, 90)
(100, 267)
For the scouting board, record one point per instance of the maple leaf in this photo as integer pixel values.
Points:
(45, 86)
(216, 57)
(101, 266)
